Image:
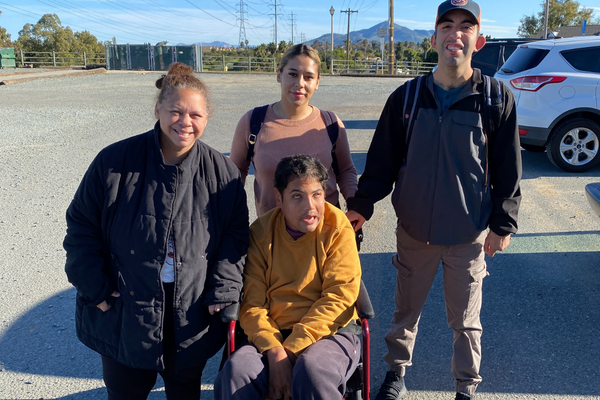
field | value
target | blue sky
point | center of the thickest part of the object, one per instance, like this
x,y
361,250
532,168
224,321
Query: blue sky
x,y
190,21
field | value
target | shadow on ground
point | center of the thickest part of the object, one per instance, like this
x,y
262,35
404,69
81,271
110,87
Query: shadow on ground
x,y
540,321
540,318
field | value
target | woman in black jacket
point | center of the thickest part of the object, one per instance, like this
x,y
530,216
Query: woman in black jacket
x,y
157,235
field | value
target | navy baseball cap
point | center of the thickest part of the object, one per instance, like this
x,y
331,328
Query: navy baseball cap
x,y
468,5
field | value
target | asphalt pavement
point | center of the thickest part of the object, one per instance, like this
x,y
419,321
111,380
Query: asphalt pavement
x,y
541,311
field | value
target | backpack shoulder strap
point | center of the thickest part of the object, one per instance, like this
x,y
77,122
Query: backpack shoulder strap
x,y
333,130
491,114
256,120
410,108
493,106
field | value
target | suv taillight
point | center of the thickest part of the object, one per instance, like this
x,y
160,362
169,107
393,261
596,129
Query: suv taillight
x,y
535,83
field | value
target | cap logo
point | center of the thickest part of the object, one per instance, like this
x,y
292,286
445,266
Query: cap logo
x,y
458,2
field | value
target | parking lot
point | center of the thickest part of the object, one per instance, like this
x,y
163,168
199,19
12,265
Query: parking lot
x,y
541,311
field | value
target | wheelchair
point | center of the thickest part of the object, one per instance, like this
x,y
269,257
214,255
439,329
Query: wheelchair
x,y
358,386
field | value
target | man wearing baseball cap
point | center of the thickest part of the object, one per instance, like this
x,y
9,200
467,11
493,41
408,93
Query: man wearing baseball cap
x,y
453,161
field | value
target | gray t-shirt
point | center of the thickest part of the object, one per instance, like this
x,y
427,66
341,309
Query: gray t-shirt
x,y
446,97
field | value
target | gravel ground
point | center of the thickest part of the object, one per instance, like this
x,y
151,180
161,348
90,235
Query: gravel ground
x,y
541,313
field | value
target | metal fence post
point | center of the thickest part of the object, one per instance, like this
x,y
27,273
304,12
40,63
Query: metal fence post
x,y
54,58
249,64
84,59
22,60
274,65
201,60
224,65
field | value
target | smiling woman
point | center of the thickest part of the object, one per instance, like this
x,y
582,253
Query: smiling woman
x,y
181,110
156,239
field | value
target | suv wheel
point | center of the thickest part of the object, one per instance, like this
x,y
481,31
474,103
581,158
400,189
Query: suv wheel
x,y
574,145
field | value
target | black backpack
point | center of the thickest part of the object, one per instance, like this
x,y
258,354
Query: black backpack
x,y
258,116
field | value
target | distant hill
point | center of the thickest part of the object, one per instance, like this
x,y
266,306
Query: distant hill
x,y
204,44
401,34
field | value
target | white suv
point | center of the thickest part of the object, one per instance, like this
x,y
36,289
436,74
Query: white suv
x,y
556,84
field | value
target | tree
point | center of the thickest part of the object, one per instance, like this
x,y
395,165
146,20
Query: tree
x,y
426,46
163,43
411,55
400,47
561,13
49,35
260,50
5,38
283,46
272,48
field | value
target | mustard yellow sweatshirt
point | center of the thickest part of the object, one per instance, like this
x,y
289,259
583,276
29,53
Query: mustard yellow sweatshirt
x,y
309,285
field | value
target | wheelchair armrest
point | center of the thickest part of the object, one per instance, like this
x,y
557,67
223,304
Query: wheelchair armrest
x,y
364,308
230,313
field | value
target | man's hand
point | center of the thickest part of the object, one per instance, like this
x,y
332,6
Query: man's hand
x,y
280,374
104,306
494,243
213,308
355,219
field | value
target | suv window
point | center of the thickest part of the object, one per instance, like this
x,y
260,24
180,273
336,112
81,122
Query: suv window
x,y
524,58
486,59
508,50
587,59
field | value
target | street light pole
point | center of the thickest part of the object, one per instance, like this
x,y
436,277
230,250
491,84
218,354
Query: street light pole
x,y
546,20
331,11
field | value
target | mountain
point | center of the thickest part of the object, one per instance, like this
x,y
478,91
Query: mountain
x,y
204,44
401,34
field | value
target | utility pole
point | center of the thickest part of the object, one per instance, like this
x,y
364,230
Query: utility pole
x,y
349,12
242,19
546,20
392,52
292,18
275,28
331,11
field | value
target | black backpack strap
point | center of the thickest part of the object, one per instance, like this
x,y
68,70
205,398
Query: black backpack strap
x,y
491,114
411,96
333,130
256,120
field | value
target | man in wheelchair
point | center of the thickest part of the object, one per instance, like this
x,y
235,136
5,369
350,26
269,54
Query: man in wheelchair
x,y
301,281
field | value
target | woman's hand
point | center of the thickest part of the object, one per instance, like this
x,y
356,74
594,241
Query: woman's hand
x,y
213,308
104,306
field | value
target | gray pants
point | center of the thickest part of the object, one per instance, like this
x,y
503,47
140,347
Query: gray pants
x,y
320,372
464,269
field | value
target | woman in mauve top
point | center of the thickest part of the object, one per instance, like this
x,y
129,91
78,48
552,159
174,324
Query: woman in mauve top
x,y
292,126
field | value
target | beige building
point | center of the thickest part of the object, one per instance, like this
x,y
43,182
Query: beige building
x,y
570,31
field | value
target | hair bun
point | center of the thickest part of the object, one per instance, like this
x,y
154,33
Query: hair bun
x,y
159,82
180,69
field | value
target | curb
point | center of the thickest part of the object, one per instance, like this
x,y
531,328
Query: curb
x,y
78,73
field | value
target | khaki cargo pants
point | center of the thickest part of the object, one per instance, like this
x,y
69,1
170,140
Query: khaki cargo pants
x,y
464,269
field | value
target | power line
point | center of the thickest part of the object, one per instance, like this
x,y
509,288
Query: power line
x,y
38,16
95,20
217,18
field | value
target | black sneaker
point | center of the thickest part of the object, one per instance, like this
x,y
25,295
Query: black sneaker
x,y
392,387
464,396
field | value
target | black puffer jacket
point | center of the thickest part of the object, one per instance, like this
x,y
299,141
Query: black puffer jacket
x,y
118,224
